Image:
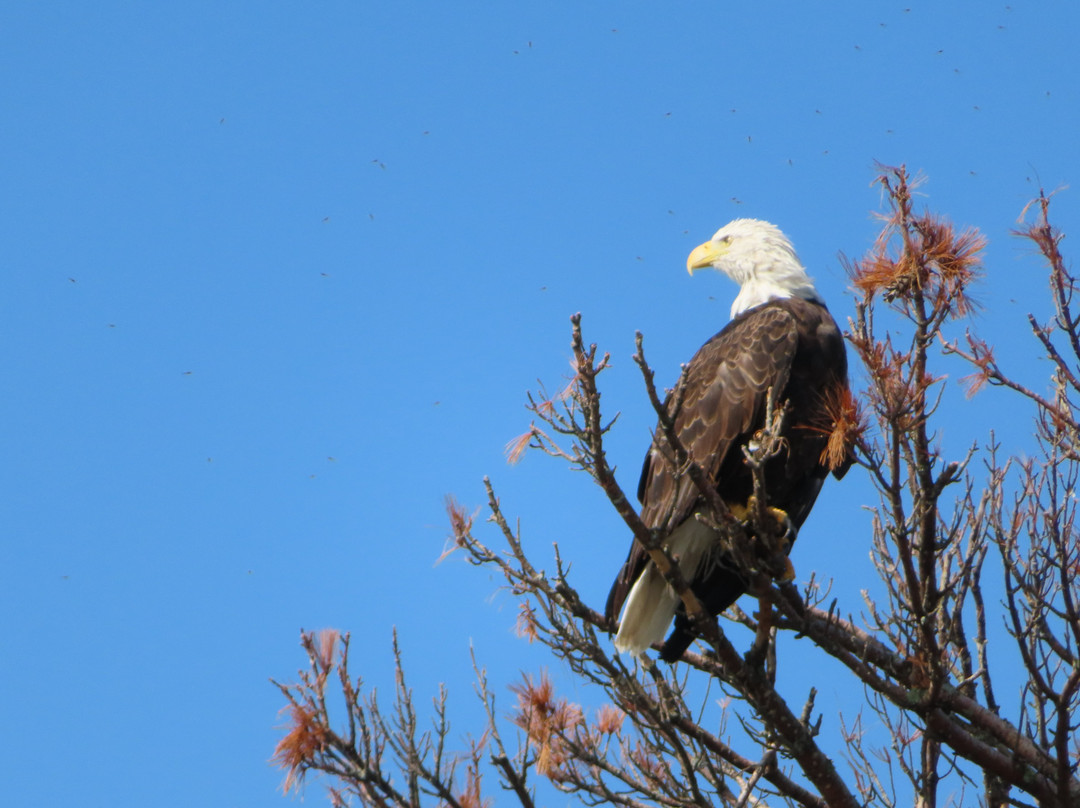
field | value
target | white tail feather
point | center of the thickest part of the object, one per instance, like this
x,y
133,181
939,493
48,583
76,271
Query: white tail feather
x,y
651,604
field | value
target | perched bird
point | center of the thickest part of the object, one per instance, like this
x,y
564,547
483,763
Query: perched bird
x,y
780,337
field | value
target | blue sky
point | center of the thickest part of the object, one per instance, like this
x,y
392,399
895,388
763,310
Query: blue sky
x,y
277,277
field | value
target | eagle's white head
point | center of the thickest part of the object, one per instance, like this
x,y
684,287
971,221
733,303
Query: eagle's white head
x,y
758,257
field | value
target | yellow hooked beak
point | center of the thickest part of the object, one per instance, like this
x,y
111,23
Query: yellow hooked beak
x,y
705,255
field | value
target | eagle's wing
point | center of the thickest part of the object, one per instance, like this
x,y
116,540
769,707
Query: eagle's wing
x,y
724,400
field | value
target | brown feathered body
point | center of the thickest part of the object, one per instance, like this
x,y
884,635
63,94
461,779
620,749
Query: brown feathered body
x,y
792,345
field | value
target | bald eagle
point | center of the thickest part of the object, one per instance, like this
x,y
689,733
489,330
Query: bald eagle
x,y
780,337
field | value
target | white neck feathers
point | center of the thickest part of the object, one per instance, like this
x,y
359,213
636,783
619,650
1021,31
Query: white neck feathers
x,y
760,290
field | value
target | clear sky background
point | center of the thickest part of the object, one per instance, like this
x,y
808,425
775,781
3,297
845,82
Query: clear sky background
x,y
277,276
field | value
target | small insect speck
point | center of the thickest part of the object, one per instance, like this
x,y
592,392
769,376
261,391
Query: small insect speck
x,y
221,121
371,216
72,280
187,373
326,218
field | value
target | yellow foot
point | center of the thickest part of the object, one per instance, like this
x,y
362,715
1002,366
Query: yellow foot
x,y
783,528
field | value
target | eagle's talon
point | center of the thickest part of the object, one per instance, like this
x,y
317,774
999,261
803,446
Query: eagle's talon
x,y
783,527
